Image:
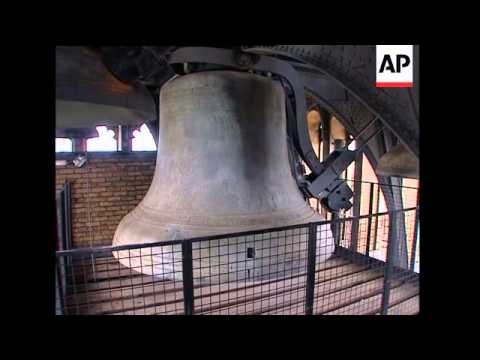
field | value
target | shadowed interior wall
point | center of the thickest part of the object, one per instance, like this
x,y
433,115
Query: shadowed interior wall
x,y
108,187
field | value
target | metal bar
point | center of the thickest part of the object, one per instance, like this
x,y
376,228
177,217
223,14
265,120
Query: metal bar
x,y
357,199
391,259
370,213
378,183
60,221
312,250
59,293
67,236
68,214
187,270
415,234
343,225
375,239
319,153
401,228
336,229
326,118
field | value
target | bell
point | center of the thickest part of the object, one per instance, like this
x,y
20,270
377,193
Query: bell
x,y
222,168
88,95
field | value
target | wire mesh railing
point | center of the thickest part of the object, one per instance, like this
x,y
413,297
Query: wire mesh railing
x,y
310,269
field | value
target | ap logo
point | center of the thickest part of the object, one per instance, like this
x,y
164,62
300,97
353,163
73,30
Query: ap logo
x,y
395,66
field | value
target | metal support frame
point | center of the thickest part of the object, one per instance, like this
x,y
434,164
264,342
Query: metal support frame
x,y
312,250
187,271
323,182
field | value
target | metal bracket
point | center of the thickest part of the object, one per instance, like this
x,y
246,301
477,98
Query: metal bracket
x,y
324,182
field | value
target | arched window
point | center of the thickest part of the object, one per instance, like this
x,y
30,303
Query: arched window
x,y
104,142
143,140
63,145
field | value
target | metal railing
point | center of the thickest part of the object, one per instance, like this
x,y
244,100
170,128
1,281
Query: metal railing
x,y
293,270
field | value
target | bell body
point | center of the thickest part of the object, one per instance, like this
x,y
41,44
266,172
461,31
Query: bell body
x,y
222,168
88,95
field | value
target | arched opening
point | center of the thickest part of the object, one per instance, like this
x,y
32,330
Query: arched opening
x,y
143,140
63,145
104,142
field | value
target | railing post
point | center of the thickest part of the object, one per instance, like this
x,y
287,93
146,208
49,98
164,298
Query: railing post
x,y
415,234
67,208
357,202
311,263
391,259
370,215
187,272
375,238
59,292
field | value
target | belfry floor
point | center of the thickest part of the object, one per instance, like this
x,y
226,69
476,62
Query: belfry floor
x,y
343,287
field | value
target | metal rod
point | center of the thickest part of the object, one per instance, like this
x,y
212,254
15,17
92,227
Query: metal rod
x,y
312,250
187,269
68,214
382,184
67,240
319,153
391,259
370,213
415,234
375,239
344,229
60,293
326,152
357,199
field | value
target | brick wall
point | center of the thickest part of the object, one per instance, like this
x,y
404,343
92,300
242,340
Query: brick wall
x,y
111,184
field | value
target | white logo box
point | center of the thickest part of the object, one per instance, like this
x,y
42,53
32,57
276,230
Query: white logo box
x,y
396,61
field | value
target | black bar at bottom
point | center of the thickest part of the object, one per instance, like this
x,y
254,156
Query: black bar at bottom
x,y
312,249
187,268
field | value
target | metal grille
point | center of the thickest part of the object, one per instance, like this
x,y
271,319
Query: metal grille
x,y
282,271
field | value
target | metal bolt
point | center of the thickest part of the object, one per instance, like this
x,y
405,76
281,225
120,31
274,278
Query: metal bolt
x,y
244,60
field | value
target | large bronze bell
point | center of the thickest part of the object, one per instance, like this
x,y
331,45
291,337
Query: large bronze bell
x,y
222,167
88,95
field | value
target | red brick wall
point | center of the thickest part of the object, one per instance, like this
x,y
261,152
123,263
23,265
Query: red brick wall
x,y
111,185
